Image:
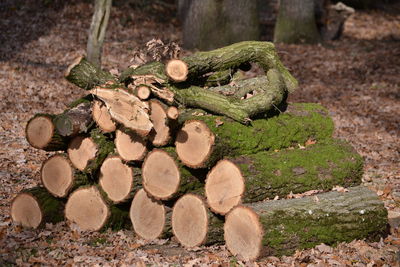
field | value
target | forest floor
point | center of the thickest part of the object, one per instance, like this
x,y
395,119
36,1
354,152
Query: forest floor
x,y
357,78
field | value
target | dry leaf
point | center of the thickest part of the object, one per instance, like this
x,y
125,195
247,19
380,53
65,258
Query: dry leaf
x,y
276,197
340,189
310,142
218,122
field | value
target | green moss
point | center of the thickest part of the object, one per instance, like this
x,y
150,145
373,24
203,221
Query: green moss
x,y
105,147
295,126
85,99
292,227
320,166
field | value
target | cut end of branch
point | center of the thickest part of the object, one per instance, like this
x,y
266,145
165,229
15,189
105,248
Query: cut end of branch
x,y
143,92
26,211
190,220
194,143
116,179
147,216
81,150
243,233
57,175
40,131
224,187
177,70
172,113
87,209
130,146
161,176
102,117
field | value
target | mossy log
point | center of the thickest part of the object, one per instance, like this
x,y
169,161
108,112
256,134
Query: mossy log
x,y
35,206
85,75
224,137
269,174
281,227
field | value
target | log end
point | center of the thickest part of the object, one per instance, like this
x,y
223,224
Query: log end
x,y
57,175
224,187
172,113
26,211
116,179
194,144
81,150
143,92
243,233
190,221
177,70
160,134
40,131
102,117
147,216
130,146
87,209
160,173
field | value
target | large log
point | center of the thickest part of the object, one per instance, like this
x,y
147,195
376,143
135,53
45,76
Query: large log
x,y
35,206
215,136
265,175
283,226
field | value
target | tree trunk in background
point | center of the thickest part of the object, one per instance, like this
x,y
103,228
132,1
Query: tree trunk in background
x,y
98,30
296,22
210,24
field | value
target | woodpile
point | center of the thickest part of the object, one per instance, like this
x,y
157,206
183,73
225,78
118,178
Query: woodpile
x,y
186,149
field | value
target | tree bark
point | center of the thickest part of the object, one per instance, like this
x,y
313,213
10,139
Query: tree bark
x,y
281,227
296,22
210,24
102,9
75,120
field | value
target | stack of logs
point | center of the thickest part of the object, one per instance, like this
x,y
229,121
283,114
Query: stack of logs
x,y
192,150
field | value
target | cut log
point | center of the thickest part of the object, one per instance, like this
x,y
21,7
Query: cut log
x,y
149,217
126,109
172,113
142,91
86,75
130,146
192,223
102,117
270,174
160,136
74,121
35,206
41,133
118,180
88,153
87,208
177,70
283,226
224,187
59,177
205,139
164,178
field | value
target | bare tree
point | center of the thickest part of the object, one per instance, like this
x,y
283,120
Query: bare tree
x,y
97,31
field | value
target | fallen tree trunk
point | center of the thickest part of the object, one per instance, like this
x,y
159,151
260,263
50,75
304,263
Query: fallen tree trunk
x,y
265,175
215,137
283,226
35,206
